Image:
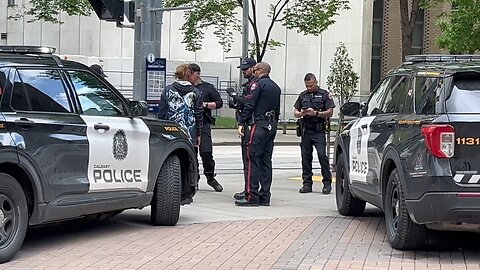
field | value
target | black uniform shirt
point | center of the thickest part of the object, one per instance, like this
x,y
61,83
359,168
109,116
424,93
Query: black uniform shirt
x,y
264,96
320,100
209,94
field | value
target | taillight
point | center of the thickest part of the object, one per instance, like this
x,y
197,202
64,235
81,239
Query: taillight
x,y
440,140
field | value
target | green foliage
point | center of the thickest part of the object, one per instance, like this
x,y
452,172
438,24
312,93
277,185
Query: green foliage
x,y
48,10
220,14
225,122
312,17
307,16
342,80
461,27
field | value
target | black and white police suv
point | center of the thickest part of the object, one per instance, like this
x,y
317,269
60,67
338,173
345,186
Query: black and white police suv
x,y
414,150
72,146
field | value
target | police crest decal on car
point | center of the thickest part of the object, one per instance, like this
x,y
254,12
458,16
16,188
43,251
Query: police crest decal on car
x,y
120,145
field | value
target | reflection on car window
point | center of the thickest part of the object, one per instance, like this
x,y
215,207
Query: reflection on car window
x,y
398,98
427,91
375,103
465,96
95,98
42,89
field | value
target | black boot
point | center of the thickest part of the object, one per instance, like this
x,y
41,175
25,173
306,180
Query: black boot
x,y
211,181
239,195
327,188
305,189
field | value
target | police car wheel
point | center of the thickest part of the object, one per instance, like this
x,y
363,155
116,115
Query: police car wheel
x,y
347,205
402,232
13,217
167,194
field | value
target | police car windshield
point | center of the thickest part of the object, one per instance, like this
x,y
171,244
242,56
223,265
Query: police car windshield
x,y
465,96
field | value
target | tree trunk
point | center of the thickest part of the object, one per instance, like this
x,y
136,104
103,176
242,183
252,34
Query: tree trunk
x,y
408,24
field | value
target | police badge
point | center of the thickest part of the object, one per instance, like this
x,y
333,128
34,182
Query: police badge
x,y
120,145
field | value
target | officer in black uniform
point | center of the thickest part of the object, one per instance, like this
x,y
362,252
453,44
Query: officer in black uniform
x,y
261,114
238,102
211,101
314,106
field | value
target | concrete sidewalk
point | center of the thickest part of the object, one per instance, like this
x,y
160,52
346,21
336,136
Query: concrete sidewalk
x,y
230,137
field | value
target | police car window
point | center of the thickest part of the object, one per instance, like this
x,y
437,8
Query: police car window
x,y
396,99
19,98
95,97
427,90
43,89
375,103
465,96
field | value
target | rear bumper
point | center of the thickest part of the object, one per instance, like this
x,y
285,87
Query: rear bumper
x,y
445,207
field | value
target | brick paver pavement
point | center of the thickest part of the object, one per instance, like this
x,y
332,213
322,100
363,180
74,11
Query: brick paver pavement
x,y
281,243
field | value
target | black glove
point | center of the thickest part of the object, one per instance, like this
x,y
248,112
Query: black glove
x,y
231,92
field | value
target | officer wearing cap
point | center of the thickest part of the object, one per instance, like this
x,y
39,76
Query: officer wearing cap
x,y
260,114
211,101
314,106
238,102
98,70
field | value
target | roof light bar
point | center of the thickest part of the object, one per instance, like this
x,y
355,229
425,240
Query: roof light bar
x,y
441,58
27,49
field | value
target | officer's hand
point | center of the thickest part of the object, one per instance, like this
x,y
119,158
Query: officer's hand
x,y
240,130
310,112
199,140
231,92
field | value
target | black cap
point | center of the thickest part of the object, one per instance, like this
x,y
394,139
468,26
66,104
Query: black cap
x,y
99,70
195,67
247,63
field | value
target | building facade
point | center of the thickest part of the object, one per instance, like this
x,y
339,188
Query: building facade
x,y
370,30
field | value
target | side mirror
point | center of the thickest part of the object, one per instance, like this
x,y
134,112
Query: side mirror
x,y
138,108
351,109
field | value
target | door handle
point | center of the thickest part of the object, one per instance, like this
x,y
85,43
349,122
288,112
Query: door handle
x,y
364,126
101,126
24,122
391,123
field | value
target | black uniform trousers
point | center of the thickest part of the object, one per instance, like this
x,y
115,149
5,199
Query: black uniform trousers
x,y
259,153
244,143
206,150
317,139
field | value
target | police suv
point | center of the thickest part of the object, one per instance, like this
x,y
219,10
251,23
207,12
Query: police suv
x,y
414,149
72,146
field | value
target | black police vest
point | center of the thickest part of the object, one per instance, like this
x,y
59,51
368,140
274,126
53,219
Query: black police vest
x,y
316,101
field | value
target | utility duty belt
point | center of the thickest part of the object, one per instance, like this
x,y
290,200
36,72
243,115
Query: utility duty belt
x,y
268,116
319,126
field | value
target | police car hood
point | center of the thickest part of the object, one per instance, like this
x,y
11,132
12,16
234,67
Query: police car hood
x,y
183,87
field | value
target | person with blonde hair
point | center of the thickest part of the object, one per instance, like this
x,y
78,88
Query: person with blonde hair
x,y
181,102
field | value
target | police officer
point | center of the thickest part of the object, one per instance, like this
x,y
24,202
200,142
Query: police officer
x,y
211,101
98,70
314,106
238,102
261,115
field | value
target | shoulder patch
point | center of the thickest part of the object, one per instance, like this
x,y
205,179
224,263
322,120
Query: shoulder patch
x,y
254,86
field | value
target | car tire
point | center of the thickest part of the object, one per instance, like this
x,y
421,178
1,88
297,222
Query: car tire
x,y
347,205
13,217
402,232
167,195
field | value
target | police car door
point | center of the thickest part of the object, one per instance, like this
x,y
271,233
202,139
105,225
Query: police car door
x,y
363,158
49,135
118,145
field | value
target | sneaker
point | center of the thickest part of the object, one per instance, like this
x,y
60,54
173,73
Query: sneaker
x,y
305,189
265,203
327,188
239,195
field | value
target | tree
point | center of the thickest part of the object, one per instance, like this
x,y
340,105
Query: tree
x,y
48,10
309,17
408,16
461,27
342,80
